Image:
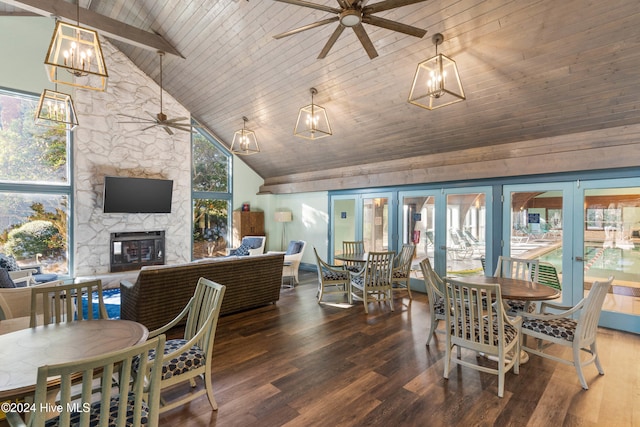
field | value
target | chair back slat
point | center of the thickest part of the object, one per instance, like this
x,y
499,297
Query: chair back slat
x,y
590,313
143,390
470,309
64,303
352,248
517,268
378,270
547,275
204,311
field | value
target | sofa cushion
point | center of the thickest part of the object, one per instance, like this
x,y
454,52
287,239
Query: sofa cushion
x,y
8,262
242,250
5,279
294,247
252,242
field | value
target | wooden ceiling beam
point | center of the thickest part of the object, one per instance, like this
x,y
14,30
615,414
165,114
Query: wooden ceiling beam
x,y
106,26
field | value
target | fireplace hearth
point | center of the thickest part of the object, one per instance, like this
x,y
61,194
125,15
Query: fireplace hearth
x,y
133,250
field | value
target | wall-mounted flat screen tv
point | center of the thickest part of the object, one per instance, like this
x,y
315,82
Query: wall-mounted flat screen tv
x,y
137,195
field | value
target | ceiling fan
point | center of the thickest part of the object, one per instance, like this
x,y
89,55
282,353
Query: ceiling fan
x,y
352,14
161,119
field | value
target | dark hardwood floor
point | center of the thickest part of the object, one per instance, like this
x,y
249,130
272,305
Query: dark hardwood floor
x,y
300,363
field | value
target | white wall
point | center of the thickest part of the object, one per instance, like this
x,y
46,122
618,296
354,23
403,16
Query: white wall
x,y
22,64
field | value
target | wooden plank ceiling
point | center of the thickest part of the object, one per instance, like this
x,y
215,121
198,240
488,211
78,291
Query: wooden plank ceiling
x,y
530,69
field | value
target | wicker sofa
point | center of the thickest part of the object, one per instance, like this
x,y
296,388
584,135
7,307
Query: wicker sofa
x,y
161,292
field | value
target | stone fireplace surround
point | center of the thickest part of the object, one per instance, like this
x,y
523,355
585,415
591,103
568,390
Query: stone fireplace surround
x,y
103,146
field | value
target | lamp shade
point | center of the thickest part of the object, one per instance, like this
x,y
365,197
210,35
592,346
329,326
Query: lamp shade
x,y
283,216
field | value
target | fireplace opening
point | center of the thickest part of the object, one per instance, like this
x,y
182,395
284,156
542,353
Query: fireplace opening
x,y
133,250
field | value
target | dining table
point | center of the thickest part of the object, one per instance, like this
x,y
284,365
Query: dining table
x,y
353,258
23,351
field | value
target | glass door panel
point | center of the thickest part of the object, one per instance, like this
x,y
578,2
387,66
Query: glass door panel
x,y
375,223
612,248
418,224
536,230
344,223
466,231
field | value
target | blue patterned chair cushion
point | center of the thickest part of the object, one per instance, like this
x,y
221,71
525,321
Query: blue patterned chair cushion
x,y
5,279
397,274
510,333
113,413
335,275
8,262
557,328
353,268
514,306
190,359
438,306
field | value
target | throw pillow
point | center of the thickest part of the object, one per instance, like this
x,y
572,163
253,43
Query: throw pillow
x,y
242,250
8,262
5,279
294,247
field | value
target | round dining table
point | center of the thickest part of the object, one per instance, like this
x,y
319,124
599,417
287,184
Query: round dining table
x,y
23,351
356,258
515,288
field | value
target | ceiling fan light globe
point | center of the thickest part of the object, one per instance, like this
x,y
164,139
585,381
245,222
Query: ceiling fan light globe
x,y
350,17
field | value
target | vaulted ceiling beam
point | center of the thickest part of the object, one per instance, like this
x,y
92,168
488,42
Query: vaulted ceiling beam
x,y
106,26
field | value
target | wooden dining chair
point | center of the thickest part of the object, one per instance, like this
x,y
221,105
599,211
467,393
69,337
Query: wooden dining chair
x,y
132,406
564,328
68,303
352,248
435,292
517,268
373,281
482,328
332,279
401,275
190,357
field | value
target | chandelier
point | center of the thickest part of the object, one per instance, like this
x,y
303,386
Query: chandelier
x,y
313,122
436,82
245,141
55,109
76,50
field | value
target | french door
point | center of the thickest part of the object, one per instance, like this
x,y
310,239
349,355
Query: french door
x,y
588,231
448,226
367,217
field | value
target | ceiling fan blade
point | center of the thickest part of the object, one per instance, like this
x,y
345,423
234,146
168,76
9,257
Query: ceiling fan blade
x,y
169,131
394,26
332,40
365,40
388,4
148,127
311,5
177,119
307,27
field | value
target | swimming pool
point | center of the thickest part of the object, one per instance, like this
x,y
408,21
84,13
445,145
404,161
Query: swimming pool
x,y
603,262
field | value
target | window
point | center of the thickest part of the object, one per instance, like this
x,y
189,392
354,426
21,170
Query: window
x,y
211,184
35,190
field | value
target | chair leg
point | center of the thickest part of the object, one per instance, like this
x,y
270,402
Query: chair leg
x,y
578,366
501,378
432,329
594,351
390,295
209,387
408,282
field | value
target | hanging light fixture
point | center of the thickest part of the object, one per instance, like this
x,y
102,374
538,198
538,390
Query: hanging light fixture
x,y
78,51
436,82
313,122
56,108
245,141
